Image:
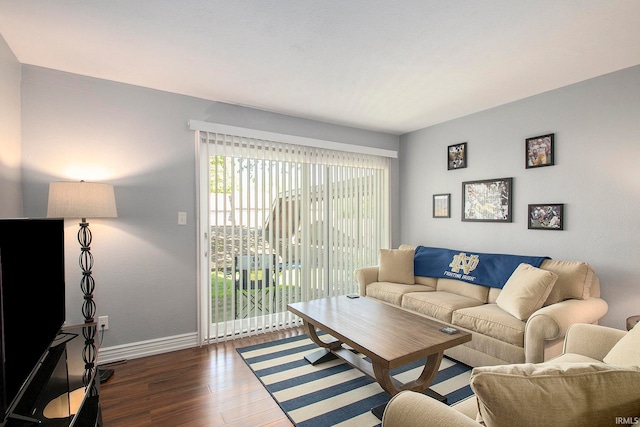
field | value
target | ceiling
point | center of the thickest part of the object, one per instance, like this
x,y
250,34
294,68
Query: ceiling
x,y
389,66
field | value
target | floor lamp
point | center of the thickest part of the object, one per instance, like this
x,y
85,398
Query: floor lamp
x,y
84,200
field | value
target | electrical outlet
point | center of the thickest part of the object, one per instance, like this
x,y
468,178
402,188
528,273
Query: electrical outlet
x,y
103,322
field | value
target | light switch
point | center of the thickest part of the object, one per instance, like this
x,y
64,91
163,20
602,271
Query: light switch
x,y
182,218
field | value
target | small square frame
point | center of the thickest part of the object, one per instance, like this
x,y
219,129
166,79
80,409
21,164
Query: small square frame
x,y
538,151
545,216
489,200
457,156
442,205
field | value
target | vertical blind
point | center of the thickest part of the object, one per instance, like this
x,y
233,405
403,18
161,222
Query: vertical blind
x,y
284,223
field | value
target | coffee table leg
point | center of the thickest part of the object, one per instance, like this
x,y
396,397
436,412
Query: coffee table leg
x,y
421,384
393,387
324,354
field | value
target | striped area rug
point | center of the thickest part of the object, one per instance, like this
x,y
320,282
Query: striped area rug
x,y
333,393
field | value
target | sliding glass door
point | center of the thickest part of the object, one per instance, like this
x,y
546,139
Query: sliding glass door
x,y
282,223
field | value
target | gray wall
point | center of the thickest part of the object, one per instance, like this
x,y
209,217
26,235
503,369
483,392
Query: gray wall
x,y
10,152
596,175
76,127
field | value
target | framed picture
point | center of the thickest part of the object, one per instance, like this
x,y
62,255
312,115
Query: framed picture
x,y
539,151
442,205
546,217
457,156
487,200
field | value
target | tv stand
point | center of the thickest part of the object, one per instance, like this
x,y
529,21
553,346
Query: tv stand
x,y
54,394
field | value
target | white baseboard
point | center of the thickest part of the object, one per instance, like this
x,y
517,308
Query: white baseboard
x,y
147,348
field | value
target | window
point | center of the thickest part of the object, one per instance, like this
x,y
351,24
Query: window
x,y
281,223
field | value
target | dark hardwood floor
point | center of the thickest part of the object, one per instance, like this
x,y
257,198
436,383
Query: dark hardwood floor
x,y
205,386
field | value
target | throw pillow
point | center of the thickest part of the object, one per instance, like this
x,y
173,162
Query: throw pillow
x,y
526,290
547,394
574,280
627,350
396,265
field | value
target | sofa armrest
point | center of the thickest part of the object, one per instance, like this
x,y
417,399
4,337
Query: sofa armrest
x,y
593,341
364,276
553,321
411,409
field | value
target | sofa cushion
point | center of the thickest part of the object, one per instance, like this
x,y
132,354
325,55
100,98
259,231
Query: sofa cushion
x,y
526,290
594,289
429,281
494,293
627,350
574,280
571,394
395,265
439,305
408,247
491,320
465,289
483,350
393,292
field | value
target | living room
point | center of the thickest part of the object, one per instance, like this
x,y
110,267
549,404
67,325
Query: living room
x,y
58,125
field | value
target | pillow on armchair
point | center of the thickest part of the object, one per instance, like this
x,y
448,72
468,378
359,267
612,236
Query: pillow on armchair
x,y
545,394
627,350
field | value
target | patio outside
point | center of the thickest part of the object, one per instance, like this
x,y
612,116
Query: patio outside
x,y
271,245
233,287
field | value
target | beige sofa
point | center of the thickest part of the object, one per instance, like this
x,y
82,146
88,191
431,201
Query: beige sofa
x,y
593,383
524,322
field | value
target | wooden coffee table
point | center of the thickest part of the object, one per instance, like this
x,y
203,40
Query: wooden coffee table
x,y
388,335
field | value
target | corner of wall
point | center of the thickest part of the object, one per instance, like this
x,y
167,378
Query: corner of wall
x,y
10,133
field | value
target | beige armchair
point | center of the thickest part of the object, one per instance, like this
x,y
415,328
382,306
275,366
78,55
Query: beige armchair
x,y
595,381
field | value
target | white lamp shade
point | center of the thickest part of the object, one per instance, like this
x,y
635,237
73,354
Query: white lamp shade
x,y
81,200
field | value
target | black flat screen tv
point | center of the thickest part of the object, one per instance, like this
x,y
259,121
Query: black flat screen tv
x,y
32,297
